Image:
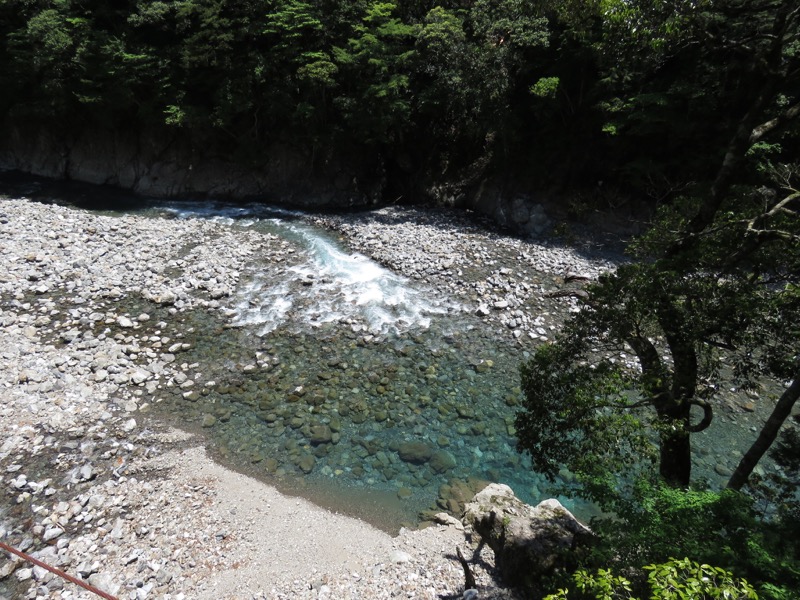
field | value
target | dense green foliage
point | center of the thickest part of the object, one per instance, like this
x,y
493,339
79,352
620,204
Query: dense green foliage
x,y
725,529
673,580
641,95
425,81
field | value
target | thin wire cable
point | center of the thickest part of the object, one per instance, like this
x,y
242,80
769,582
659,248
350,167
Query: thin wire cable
x,y
56,571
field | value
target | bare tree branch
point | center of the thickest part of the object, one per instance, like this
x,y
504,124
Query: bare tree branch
x,y
763,129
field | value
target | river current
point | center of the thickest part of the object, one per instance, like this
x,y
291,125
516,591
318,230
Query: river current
x,y
373,389
338,379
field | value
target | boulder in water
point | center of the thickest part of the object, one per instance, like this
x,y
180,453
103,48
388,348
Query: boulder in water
x,y
442,461
416,453
321,434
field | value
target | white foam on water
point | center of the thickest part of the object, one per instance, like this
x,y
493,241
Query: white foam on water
x,y
329,285
336,286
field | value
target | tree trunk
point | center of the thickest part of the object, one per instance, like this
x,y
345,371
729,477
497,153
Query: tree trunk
x,y
767,436
675,450
674,410
675,466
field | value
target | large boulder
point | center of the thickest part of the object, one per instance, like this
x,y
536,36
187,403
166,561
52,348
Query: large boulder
x,y
529,542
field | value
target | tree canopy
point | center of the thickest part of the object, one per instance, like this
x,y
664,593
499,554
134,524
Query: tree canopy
x,y
709,299
640,94
716,276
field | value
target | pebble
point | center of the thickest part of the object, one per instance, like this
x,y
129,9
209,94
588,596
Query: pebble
x,y
52,533
398,556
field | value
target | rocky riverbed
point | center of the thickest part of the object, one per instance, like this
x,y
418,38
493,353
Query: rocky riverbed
x,y
507,280
94,315
92,486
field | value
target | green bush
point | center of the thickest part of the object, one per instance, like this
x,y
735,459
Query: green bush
x,y
673,580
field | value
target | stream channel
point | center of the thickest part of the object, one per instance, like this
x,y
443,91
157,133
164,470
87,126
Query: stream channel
x,y
372,388
344,382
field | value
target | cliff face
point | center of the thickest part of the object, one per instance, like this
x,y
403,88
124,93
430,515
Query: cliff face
x,y
155,164
164,165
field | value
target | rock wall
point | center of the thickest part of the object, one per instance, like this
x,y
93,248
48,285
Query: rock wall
x,y
170,165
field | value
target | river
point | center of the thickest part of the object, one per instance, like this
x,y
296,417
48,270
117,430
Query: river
x,y
347,382
374,388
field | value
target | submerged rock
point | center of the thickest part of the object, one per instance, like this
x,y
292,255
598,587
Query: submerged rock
x,y
442,461
416,453
306,463
321,434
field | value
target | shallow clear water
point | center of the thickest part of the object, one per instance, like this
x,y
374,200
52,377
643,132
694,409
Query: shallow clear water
x,y
356,387
364,381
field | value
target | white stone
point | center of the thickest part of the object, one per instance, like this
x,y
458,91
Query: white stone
x,y
86,472
124,322
398,556
140,376
52,533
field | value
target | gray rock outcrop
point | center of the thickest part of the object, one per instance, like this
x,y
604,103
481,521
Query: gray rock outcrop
x,y
168,164
529,542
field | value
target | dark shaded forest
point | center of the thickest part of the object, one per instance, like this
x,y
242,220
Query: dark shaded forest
x,y
622,99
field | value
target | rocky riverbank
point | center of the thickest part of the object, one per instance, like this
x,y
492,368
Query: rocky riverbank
x,y
91,486
520,285
93,310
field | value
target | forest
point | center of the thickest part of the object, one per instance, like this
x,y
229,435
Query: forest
x,y
611,98
687,108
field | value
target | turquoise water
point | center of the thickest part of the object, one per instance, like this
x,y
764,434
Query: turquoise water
x,y
370,387
370,391
351,385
